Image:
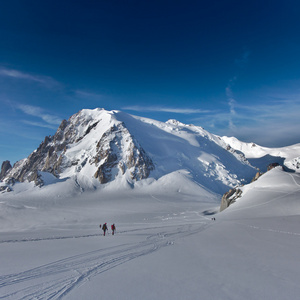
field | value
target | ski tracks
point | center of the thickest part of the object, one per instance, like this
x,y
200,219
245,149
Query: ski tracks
x,y
57,279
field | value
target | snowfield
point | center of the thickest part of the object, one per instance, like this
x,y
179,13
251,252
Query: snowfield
x,y
166,245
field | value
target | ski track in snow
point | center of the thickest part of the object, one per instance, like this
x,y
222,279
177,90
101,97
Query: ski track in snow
x,y
273,230
294,179
61,277
48,238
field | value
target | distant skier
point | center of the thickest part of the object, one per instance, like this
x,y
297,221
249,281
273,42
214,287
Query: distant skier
x,y
104,228
113,228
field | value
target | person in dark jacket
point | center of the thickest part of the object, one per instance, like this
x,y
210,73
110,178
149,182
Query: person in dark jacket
x,y
104,228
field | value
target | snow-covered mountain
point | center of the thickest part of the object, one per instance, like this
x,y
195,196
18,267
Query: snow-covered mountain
x,y
99,148
261,157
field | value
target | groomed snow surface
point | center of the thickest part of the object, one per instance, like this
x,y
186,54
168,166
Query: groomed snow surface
x,y
166,245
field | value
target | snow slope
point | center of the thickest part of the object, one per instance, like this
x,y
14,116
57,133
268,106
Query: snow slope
x,y
166,246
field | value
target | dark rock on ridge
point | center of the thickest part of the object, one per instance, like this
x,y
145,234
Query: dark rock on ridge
x,y
230,197
6,166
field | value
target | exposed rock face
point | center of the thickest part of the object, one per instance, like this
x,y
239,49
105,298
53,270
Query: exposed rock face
x,y
112,154
6,166
237,153
272,166
5,188
45,158
257,175
230,197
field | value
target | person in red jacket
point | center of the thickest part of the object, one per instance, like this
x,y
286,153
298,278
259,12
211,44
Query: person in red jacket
x,y
113,228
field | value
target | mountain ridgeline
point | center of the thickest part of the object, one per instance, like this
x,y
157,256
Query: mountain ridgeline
x,y
99,147
56,153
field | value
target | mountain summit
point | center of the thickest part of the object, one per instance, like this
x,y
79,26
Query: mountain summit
x,y
97,148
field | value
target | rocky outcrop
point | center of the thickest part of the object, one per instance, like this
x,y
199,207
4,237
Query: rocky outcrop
x,y
113,157
5,188
43,159
272,166
6,166
47,157
230,197
238,154
257,175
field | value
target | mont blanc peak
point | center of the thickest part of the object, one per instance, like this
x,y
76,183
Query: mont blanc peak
x,y
98,147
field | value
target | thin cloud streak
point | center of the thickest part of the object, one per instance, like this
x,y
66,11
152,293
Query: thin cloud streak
x,y
85,94
38,124
231,104
240,62
15,74
38,112
279,112
166,109
19,75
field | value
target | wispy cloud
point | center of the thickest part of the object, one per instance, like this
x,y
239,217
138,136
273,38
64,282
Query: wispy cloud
x,y
39,124
269,123
166,109
240,62
231,102
85,94
15,74
38,112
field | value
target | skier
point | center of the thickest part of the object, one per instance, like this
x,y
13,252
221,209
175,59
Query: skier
x,y
113,228
104,228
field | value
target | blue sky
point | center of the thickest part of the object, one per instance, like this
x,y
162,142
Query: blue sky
x,y
232,67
